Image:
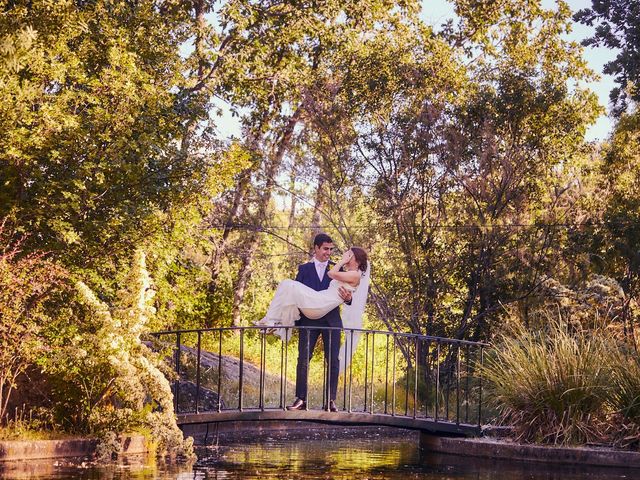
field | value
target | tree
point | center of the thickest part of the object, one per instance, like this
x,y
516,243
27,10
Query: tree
x,y
272,70
103,377
615,240
617,27
91,129
465,138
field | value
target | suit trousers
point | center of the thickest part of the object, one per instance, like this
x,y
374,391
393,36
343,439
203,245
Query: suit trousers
x,y
306,345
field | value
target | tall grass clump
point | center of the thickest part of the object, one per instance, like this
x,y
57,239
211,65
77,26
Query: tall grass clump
x,y
550,386
624,397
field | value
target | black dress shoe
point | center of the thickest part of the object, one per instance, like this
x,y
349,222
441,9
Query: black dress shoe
x,y
332,406
299,404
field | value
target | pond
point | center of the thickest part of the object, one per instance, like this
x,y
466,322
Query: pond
x,y
322,453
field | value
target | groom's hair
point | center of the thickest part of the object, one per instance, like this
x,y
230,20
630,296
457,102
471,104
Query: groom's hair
x,y
320,239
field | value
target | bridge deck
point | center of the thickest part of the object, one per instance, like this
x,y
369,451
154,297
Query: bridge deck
x,y
338,418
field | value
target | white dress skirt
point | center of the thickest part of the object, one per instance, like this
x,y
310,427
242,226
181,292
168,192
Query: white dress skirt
x,y
293,297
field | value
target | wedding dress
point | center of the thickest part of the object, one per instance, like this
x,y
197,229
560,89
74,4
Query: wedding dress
x,y
293,297
352,319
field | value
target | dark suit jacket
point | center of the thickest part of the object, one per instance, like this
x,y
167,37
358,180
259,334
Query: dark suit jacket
x,y
308,276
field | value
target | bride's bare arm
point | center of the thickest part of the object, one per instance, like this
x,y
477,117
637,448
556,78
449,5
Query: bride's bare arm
x,y
350,277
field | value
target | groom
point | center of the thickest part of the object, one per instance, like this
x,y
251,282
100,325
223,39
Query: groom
x,y
314,275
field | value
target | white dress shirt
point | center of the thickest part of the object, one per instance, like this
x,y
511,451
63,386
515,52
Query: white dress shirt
x,y
321,268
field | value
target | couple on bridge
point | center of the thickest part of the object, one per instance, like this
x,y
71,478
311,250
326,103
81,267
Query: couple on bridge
x,y
313,299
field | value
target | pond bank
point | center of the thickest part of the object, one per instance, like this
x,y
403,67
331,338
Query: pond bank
x,y
501,449
13,450
487,448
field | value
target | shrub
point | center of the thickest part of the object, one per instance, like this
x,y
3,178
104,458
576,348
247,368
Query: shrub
x,y
625,378
598,301
27,284
105,379
551,387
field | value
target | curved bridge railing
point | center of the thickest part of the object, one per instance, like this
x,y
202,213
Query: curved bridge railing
x,y
406,380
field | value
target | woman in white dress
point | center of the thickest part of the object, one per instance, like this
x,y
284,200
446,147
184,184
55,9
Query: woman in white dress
x,y
291,297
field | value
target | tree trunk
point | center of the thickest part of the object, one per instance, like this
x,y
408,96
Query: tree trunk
x,y
318,204
221,247
244,275
292,211
246,270
244,182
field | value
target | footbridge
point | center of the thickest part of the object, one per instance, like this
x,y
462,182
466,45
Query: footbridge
x,y
248,374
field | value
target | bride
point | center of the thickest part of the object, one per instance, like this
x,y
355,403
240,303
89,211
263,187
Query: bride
x,y
293,297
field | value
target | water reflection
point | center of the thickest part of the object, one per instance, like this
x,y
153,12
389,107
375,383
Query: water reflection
x,y
329,453
366,453
134,467
311,454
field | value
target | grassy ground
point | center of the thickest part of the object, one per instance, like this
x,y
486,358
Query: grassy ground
x,y
23,432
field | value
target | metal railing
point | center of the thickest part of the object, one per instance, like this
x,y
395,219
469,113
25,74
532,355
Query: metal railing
x,y
396,374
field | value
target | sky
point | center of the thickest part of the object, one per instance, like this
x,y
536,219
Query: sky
x,y
436,12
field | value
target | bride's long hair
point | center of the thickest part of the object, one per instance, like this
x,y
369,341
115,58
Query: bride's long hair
x,y
361,257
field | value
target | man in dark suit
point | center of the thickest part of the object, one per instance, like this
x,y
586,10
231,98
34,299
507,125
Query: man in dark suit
x,y
314,275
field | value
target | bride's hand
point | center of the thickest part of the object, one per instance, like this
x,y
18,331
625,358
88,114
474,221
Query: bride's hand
x,y
348,255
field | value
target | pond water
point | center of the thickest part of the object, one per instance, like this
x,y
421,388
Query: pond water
x,y
337,453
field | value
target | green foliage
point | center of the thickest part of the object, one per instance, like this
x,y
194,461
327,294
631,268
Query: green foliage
x,y
125,155
432,149
456,151
589,305
91,127
613,246
94,372
560,385
21,429
617,27
624,399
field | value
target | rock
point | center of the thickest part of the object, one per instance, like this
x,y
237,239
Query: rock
x,y
207,400
229,382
